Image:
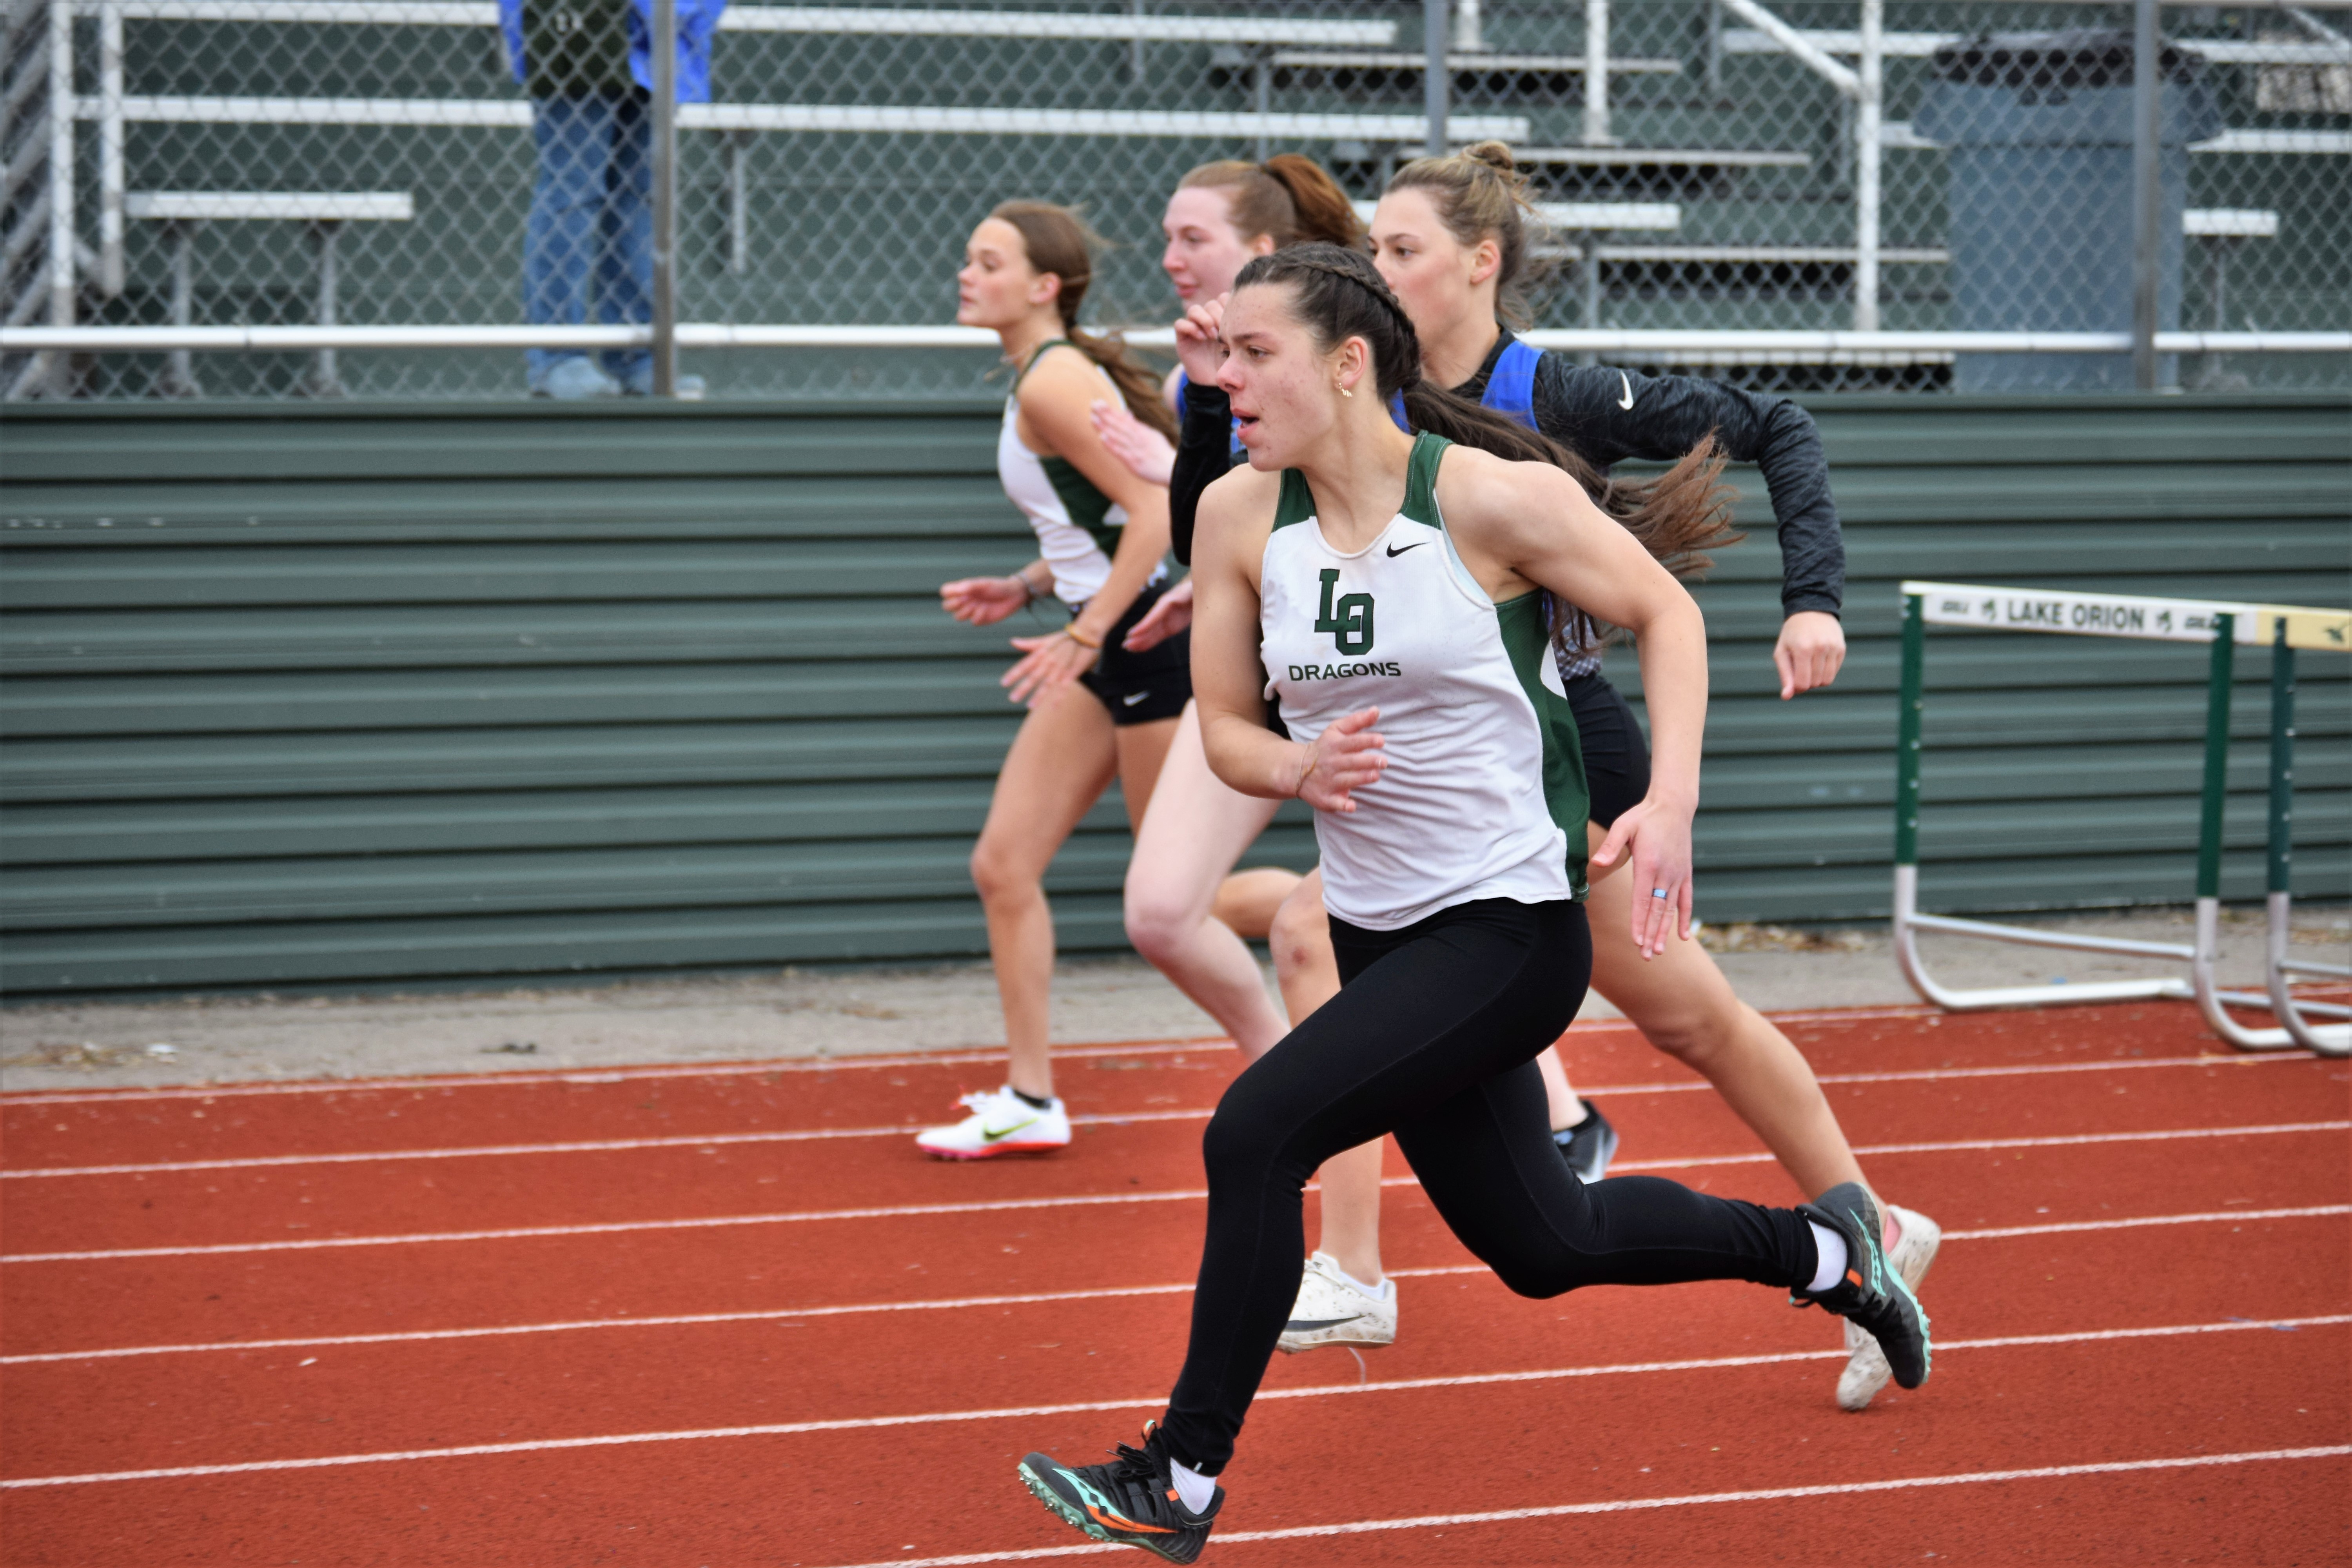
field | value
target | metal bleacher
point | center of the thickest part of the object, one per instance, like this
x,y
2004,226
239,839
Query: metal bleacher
x,y
1720,173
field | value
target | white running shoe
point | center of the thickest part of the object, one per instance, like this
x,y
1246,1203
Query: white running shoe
x,y
1001,1122
1333,1310
1914,1252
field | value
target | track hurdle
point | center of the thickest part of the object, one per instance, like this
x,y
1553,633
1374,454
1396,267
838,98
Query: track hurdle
x,y
2223,625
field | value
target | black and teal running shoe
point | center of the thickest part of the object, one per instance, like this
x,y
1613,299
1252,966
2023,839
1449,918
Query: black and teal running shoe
x,y
1132,1501
1872,1294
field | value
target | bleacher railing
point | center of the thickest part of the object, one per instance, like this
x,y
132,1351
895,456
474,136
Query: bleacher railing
x,y
217,198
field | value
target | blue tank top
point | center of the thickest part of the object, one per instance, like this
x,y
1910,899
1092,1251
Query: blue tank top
x,y
1511,389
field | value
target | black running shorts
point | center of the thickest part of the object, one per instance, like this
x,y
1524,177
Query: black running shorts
x,y
1142,687
1616,753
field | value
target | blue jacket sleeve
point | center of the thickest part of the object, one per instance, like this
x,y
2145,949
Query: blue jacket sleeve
x,y
698,24
510,29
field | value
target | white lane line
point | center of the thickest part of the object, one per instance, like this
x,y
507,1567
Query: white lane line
x,y
684,1320
615,1227
1633,1505
868,1423
958,1304
1964,1145
905,1211
1106,1119
577,1146
604,1075
2213,1217
794,1064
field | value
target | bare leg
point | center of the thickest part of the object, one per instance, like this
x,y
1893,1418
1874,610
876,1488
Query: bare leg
x,y
1248,901
1303,961
1061,761
1194,831
1301,942
1685,1007
1142,757
1567,1111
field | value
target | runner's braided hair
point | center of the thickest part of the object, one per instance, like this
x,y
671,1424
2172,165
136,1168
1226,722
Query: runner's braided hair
x,y
1338,294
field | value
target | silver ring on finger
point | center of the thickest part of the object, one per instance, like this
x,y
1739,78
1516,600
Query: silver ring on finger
x,y
1658,892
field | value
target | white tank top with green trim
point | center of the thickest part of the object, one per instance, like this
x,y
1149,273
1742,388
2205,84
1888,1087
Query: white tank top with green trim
x,y
1078,526
1483,796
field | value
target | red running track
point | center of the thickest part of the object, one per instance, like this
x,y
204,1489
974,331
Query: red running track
x,y
719,1315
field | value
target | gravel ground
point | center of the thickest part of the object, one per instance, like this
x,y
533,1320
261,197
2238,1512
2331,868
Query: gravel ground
x,y
842,1012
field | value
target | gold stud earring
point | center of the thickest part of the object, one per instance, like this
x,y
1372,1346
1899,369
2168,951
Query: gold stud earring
x,y
1346,391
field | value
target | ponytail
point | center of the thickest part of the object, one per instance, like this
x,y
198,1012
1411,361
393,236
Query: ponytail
x,y
1288,198
1137,386
1677,517
1058,241
1325,215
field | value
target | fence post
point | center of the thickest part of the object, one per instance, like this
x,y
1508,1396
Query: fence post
x,y
110,150
63,281
664,198
1469,27
2147,204
1868,154
1596,73
1436,80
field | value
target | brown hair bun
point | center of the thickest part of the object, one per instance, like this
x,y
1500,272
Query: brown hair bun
x,y
1479,193
1495,154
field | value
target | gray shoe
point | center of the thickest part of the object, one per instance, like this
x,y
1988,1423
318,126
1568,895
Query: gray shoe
x,y
576,380
690,388
1589,1145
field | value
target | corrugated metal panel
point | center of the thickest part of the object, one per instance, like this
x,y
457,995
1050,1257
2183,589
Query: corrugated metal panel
x,y
316,696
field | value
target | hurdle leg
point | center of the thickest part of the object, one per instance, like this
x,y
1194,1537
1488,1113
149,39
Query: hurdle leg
x,y
2210,996
1908,922
2332,1040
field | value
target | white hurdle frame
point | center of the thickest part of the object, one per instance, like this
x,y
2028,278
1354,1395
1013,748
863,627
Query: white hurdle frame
x,y
2223,625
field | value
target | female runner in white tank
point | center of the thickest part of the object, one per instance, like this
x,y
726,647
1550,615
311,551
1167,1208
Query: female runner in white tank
x,y
1396,595
1096,711
1448,238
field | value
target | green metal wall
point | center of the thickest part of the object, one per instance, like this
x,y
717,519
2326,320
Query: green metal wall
x,y
318,696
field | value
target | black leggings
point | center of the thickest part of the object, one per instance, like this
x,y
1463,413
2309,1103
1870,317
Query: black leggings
x,y
1433,1036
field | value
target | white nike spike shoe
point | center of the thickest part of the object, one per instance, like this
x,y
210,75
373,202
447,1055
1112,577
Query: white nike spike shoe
x,y
1333,1310
1866,1370
1001,1122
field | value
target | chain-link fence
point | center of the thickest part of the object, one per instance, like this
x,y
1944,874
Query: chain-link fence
x,y
1710,167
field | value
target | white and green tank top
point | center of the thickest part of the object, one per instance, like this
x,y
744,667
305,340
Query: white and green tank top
x,y
1078,526
1484,796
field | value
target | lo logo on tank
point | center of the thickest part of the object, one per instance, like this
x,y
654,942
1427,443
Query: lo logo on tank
x,y
1349,622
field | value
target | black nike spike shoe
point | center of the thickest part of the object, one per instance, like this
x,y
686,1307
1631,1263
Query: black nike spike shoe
x,y
1871,1294
1132,1501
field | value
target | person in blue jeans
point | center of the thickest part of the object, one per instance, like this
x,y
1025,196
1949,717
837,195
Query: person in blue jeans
x,y
587,251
